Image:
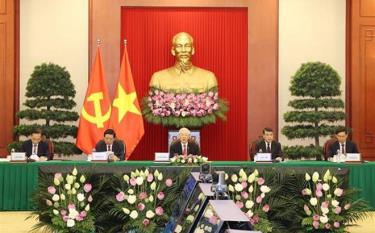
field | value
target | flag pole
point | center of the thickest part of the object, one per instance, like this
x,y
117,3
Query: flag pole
x,y
125,42
98,42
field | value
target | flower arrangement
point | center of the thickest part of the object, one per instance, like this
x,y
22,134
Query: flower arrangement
x,y
188,160
68,201
326,206
249,193
209,222
141,201
183,109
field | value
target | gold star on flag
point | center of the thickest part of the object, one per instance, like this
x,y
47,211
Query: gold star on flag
x,y
125,103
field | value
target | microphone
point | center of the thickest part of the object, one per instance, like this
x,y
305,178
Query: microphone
x,y
220,188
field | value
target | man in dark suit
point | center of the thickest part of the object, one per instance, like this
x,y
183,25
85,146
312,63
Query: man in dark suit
x,y
268,145
35,145
183,145
109,143
342,145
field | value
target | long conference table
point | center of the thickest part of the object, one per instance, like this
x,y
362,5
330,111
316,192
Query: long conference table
x,y
18,181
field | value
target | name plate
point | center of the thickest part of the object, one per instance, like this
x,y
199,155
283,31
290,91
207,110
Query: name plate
x,y
18,156
353,157
263,157
161,157
99,156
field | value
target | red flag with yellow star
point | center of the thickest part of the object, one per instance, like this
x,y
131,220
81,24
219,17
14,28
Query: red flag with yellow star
x,y
126,117
96,109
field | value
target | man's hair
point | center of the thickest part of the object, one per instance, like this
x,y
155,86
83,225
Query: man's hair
x,y
110,132
342,129
183,130
182,34
36,131
267,130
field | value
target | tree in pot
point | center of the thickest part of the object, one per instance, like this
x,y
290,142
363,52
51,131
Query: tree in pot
x,y
317,108
49,103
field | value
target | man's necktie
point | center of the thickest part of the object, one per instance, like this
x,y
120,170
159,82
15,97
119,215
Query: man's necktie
x,y
34,149
343,148
184,150
109,148
268,148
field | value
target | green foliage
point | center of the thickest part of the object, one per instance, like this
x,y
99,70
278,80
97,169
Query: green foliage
x,y
318,106
50,99
298,152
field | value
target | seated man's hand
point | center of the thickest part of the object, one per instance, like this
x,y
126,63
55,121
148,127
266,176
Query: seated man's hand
x,y
43,158
279,159
113,157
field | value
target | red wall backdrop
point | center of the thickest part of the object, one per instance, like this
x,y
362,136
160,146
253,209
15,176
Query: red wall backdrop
x,y
220,36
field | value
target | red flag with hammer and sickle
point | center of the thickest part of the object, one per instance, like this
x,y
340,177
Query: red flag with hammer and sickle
x,y
126,118
96,109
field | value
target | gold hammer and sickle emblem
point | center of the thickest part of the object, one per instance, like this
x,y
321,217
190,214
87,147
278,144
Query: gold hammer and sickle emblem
x,y
98,119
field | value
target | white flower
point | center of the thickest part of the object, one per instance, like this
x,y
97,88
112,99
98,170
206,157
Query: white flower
x,y
324,210
334,179
238,187
231,188
160,177
262,195
265,189
74,172
56,205
241,172
327,176
132,199
70,223
307,191
76,185
153,186
195,160
313,201
178,229
172,161
208,213
323,219
307,177
62,196
134,214
151,198
226,176
315,176
251,189
82,179
150,214
56,181
74,191
80,196
67,186
190,218
156,173
69,179
335,203
87,208
55,212
238,197
126,211
325,187
256,173
55,197
250,213
251,178
234,178
249,204
139,180
126,178
73,213
131,191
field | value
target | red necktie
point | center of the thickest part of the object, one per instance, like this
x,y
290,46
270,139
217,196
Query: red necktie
x,y
184,151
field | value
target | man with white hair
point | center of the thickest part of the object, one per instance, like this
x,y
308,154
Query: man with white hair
x,y
184,146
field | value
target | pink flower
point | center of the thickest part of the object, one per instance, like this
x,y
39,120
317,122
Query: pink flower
x,y
336,224
49,202
213,220
146,222
318,193
168,182
51,190
142,195
65,218
120,196
316,224
347,206
63,212
150,178
79,218
316,217
339,192
266,208
244,194
239,204
58,175
244,184
160,195
83,214
71,206
89,199
306,208
319,186
133,181
87,188
141,206
256,219
304,192
159,211
260,181
337,210
259,199
325,204
327,226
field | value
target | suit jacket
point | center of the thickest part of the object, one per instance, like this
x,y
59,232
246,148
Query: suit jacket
x,y
350,147
27,147
176,148
118,148
275,148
